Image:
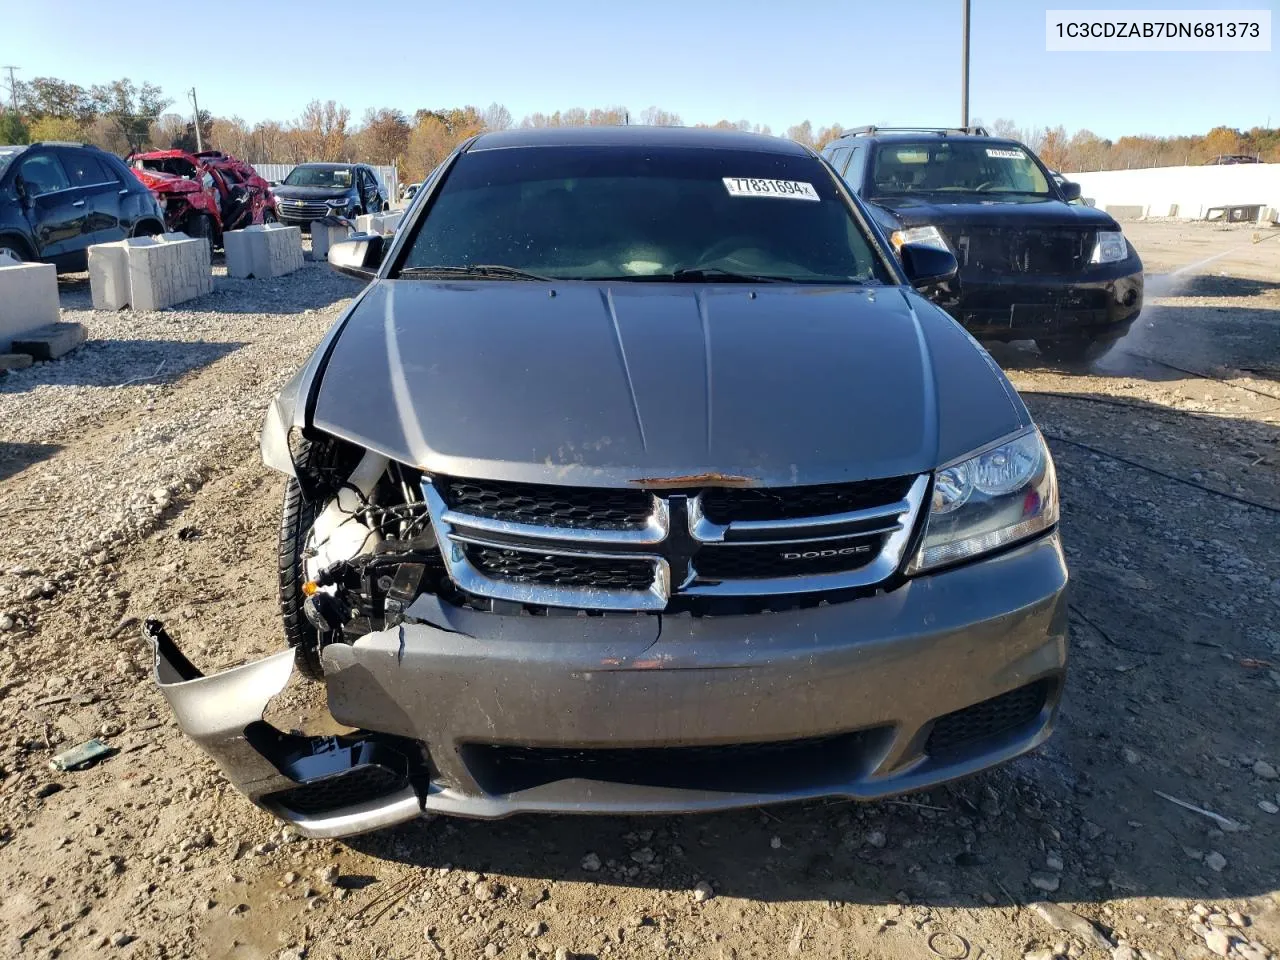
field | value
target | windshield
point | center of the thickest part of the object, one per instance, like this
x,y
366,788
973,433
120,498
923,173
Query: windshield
x,y
318,177
6,157
643,213
956,166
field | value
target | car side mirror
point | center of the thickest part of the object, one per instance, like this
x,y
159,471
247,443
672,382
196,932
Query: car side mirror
x,y
359,256
1070,191
927,265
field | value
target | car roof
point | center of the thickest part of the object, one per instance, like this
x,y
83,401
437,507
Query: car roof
x,y
636,137
920,137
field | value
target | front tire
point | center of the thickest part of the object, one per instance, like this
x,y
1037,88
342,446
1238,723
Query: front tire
x,y
296,517
199,226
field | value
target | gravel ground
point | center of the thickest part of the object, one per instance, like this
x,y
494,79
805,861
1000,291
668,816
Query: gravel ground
x,y
130,486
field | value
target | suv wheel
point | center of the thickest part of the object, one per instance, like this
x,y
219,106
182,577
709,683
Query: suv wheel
x,y
200,226
15,248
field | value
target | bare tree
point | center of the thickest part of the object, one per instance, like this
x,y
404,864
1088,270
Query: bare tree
x,y
384,136
657,117
497,117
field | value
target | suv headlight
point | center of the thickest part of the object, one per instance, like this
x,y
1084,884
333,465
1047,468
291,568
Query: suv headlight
x,y
925,236
998,496
1110,247
339,204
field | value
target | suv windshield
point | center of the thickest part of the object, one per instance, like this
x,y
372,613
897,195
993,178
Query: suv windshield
x,y
956,166
651,213
318,177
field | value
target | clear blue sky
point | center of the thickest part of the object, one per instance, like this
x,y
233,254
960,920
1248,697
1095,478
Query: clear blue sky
x,y
859,61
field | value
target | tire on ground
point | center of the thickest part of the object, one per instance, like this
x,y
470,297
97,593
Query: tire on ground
x,y
296,517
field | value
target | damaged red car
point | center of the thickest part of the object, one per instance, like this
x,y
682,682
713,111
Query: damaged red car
x,y
205,194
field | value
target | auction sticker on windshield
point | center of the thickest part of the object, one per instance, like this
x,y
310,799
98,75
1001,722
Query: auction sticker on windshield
x,y
787,189
1006,154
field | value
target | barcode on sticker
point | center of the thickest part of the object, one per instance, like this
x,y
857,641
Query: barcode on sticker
x,y
1006,154
786,189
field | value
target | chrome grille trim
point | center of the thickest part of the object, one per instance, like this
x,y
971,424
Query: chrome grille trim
x,y
754,531
883,566
455,529
891,525
655,531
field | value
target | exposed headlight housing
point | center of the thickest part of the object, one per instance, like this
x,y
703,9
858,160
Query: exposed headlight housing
x,y
1111,247
998,496
925,236
341,204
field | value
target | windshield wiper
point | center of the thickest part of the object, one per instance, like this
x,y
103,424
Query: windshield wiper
x,y
717,275
493,271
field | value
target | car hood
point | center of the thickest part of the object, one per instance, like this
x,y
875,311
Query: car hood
x,y
619,384
310,193
942,209
160,182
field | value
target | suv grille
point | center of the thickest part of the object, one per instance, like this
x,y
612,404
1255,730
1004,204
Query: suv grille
x,y
305,210
723,505
549,505
610,549
562,570
1048,252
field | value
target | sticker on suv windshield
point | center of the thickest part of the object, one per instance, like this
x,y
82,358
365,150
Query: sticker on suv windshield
x,y
787,189
1007,154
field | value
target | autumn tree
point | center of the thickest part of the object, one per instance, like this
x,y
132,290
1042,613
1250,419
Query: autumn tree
x,y
497,117
323,130
383,137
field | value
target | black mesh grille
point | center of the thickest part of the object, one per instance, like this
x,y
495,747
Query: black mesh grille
x,y
561,570
332,793
1022,251
749,768
550,505
724,505
742,562
997,715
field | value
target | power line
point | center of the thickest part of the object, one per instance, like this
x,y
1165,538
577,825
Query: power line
x,y
13,87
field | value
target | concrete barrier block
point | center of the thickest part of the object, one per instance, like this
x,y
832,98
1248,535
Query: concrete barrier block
x,y
364,223
387,223
109,275
325,235
166,270
28,298
263,250
52,341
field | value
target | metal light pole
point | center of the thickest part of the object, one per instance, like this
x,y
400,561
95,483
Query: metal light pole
x,y
964,66
196,106
13,88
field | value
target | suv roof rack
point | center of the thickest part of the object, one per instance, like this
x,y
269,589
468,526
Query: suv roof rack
x,y
942,131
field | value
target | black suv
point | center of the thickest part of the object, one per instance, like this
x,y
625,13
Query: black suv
x,y
313,191
1033,265
58,199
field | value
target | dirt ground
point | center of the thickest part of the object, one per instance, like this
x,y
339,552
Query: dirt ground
x,y
142,494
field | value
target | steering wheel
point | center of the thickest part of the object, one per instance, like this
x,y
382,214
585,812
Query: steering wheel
x,y
719,249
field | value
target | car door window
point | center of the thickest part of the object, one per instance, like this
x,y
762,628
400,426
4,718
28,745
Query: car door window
x,y
42,174
85,170
857,166
839,157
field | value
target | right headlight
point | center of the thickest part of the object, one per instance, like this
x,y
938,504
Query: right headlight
x,y
1110,247
924,236
1000,495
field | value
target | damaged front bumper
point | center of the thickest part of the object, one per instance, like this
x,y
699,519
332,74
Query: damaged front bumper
x,y
487,715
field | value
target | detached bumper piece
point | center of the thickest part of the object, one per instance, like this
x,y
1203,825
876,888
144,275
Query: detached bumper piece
x,y
325,786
